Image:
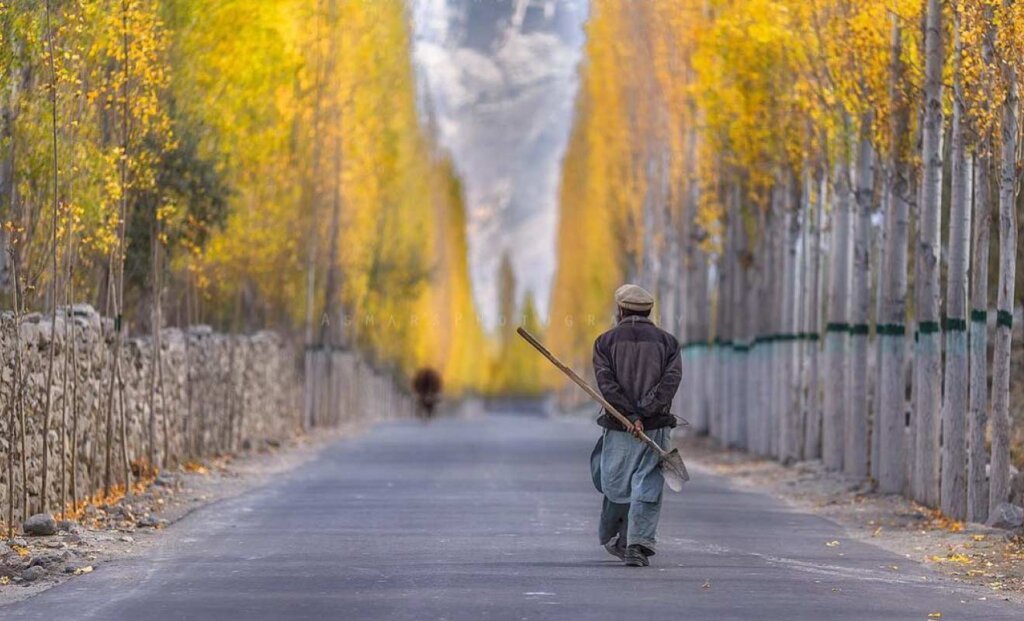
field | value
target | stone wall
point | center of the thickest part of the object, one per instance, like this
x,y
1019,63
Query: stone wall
x,y
214,394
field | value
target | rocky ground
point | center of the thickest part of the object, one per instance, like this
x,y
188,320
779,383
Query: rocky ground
x,y
972,553
104,532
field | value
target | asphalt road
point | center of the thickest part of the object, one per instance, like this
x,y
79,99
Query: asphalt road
x,y
494,518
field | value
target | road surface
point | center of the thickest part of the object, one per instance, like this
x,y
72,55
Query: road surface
x,y
494,518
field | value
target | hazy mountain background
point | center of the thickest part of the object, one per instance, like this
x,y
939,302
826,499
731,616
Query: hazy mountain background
x,y
497,81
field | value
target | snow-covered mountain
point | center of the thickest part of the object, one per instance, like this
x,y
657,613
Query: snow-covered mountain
x,y
498,81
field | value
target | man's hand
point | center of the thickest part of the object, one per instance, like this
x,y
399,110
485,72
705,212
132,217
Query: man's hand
x,y
638,427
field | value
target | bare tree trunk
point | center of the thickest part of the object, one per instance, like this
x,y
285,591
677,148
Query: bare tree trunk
x,y
154,363
856,449
837,336
691,298
729,395
789,450
928,348
800,334
957,371
812,425
74,390
768,345
69,335
50,363
19,384
999,490
312,194
123,410
977,421
716,387
760,352
891,329
703,331
743,335
878,268
755,276
11,426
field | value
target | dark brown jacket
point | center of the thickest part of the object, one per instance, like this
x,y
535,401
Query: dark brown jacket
x,y
638,371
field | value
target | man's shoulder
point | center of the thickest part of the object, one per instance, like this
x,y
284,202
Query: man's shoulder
x,y
668,337
645,331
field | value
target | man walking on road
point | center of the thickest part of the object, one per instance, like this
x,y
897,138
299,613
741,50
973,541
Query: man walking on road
x,y
638,371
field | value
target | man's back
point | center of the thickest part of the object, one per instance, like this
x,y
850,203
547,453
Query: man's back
x,y
638,371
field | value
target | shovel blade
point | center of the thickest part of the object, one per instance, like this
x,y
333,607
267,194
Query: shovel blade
x,y
674,470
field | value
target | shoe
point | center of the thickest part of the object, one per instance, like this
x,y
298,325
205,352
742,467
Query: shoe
x,y
635,557
616,550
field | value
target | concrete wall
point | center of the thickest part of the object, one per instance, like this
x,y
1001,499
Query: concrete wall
x,y
218,393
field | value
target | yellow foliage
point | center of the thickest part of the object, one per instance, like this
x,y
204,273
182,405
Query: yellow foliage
x,y
277,145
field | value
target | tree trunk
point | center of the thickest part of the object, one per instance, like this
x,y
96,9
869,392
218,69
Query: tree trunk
x,y
19,384
732,321
751,305
332,284
789,450
702,318
762,347
55,274
157,320
999,490
957,372
928,348
715,392
878,268
812,426
977,422
776,297
74,390
891,329
837,336
856,447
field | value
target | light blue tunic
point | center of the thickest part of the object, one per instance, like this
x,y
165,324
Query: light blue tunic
x,y
625,469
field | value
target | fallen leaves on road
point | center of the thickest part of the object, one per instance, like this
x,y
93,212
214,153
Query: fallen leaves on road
x,y
952,557
967,552
940,522
83,570
706,585
934,615
196,468
832,543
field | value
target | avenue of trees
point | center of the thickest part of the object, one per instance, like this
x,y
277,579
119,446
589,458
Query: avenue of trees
x,y
243,164
824,195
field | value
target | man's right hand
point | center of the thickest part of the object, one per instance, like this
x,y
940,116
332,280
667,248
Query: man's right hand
x,y
638,427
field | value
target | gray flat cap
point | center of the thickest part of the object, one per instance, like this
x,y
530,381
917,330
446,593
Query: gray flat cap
x,y
634,297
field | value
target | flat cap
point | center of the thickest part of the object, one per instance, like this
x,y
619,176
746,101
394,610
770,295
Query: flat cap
x,y
634,297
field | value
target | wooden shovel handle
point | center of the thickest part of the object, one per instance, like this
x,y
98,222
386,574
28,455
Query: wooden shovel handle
x,y
529,338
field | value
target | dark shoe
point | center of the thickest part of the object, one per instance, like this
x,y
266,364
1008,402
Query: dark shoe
x,y
635,557
616,550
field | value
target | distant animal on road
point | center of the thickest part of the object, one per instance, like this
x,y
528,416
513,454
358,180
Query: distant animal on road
x,y
427,385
